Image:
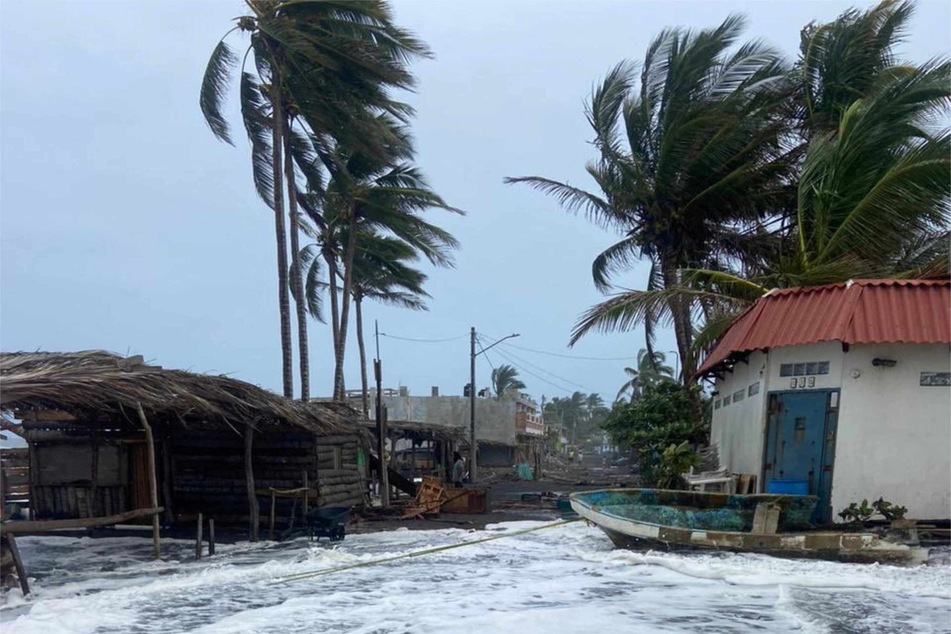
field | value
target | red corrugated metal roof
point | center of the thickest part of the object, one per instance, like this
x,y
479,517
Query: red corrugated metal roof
x,y
860,311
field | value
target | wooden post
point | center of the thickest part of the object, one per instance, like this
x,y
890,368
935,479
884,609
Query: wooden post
x,y
94,487
273,499
211,536
198,538
167,480
18,563
306,495
253,510
153,484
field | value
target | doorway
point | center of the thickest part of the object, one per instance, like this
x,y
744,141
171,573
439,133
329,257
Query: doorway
x,y
800,443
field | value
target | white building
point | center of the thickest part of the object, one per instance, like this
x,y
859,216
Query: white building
x,y
842,390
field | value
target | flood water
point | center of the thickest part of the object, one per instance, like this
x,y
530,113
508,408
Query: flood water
x,y
562,579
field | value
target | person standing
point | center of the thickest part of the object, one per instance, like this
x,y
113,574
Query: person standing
x,y
458,469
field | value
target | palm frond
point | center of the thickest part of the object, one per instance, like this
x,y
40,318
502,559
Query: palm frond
x,y
214,89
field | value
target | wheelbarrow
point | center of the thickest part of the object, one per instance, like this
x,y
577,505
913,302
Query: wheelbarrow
x,y
328,521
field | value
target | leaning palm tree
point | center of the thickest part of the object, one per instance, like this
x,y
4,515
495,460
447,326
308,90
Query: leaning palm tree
x,y
322,66
383,272
367,197
504,379
689,163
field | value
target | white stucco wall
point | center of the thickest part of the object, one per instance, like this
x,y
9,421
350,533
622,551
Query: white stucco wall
x,y
893,438
737,429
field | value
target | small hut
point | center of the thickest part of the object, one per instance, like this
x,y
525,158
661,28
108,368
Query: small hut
x,y
111,437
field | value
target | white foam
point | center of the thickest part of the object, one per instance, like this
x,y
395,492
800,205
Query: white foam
x,y
564,579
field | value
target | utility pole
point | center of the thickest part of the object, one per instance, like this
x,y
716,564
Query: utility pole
x,y
473,448
380,424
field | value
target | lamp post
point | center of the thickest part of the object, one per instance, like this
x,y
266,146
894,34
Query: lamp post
x,y
472,395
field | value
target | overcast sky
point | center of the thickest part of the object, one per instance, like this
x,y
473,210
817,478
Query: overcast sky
x,y
127,226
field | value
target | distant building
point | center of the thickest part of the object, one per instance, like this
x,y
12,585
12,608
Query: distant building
x,y
506,427
841,390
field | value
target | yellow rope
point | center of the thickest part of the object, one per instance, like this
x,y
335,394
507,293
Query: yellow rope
x,y
417,553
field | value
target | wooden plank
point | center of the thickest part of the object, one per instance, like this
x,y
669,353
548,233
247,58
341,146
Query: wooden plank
x,y
17,562
17,527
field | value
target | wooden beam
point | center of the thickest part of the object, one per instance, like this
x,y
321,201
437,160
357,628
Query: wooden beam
x,y
153,484
19,527
94,485
17,563
253,510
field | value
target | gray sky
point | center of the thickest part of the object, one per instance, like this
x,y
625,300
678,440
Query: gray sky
x,y
126,226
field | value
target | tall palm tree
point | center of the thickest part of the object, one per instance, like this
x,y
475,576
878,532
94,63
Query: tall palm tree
x,y
688,163
322,66
875,180
390,199
651,369
382,272
505,378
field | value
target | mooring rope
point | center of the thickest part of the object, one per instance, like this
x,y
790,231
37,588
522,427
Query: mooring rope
x,y
416,553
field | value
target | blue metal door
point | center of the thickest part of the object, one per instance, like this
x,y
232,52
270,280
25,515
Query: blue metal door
x,y
800,442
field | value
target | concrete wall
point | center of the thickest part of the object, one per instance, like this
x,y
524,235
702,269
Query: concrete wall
x,y
737,428
893,436
495,418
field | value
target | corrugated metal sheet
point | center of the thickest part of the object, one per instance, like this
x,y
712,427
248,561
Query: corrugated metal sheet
x,y
861,311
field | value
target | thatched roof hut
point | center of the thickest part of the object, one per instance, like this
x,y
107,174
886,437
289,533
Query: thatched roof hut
x,y
112,385
103,430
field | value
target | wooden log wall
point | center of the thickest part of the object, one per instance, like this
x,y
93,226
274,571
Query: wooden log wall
x,y
208,473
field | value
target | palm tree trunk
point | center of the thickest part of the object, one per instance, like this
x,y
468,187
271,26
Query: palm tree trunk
x,y
334,306
296,272
683,331
345,305
365,389
277,137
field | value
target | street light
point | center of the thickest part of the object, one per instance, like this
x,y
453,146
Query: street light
x,y
472,395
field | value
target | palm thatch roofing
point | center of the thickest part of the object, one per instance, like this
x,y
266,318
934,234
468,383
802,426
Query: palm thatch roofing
x,y
109,385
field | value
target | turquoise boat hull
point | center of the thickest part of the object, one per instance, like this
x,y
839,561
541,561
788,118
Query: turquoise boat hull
x,y
674,520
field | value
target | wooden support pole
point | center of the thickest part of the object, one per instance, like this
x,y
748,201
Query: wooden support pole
x,y
18,563
153,484
167,480
94,486
306,495
198,539
211,536
273,500
253,510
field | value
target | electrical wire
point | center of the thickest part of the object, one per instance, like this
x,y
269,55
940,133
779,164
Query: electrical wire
x,y
566,356
383,334
540,378
550,373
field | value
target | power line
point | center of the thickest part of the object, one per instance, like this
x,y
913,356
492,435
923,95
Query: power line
x,y
540,378
550,373
383,334
479,341
570,356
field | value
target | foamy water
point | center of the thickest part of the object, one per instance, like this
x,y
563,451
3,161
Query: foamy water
x,y
564,579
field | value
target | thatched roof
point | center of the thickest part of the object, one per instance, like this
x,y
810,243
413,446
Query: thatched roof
x,y
111,385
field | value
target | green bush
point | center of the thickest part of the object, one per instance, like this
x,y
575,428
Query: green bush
x,y
658,421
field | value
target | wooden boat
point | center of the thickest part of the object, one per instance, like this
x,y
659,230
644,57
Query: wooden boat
x,y
776,525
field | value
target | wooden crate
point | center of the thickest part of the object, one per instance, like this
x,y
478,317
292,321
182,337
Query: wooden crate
x,y
467,501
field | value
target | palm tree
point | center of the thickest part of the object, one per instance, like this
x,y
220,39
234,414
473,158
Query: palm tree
x,y
874,182
367,197
505,378
382,272
688,165
651,370
322,66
